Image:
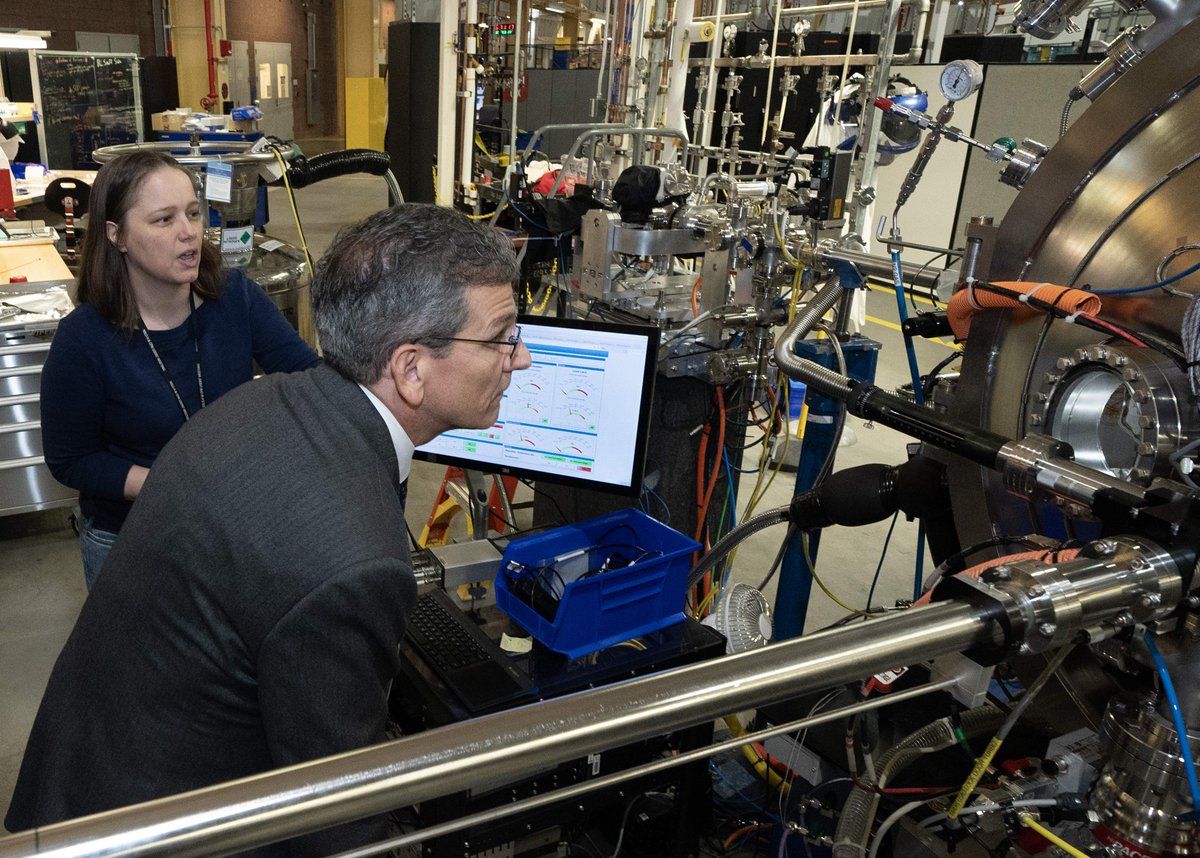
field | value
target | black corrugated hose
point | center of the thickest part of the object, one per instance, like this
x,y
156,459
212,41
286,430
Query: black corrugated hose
x,y
304,171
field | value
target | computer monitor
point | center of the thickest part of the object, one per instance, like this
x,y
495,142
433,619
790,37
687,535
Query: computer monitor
x,y
578,415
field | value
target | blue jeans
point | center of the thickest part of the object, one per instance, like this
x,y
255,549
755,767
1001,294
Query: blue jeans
x,y
94,544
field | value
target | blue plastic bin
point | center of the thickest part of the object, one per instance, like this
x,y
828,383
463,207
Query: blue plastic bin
x,y
599,609
523,138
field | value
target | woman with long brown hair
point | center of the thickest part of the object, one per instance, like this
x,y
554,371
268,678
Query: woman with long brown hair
x,y
160,331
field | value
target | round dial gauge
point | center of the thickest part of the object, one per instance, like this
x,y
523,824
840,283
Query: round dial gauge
x,y
961,78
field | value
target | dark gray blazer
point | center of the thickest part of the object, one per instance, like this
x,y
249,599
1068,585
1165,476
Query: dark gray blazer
x,y
248,617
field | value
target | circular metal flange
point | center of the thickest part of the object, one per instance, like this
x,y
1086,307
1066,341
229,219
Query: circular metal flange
x,y
1121,408
1143,787
232,152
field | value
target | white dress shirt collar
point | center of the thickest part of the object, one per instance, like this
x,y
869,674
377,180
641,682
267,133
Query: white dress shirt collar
x,y
404,447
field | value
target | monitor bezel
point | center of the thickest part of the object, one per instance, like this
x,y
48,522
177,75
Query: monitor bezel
x,y
649,370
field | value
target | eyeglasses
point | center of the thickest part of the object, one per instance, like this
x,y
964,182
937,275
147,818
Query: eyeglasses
x,y
512,342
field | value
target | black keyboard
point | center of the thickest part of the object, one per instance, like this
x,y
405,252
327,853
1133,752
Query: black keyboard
x,y
465,659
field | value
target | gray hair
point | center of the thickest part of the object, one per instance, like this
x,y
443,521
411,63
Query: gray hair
x,y
401,276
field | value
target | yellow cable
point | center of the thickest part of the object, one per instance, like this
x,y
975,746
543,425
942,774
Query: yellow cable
x,y
483,216
752,756
464,214
760,490
813,571
968,787
292,200
1029,822
787,257
702,608
541,308
781,406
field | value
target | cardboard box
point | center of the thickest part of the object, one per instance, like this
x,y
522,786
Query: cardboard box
x,y
169,120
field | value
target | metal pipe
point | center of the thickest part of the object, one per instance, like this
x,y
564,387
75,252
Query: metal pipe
x,y
467,111
618,26
601,131
677,85
710,92
443,190
660,765
800,11
503,747
603,58
877,266
825,300
393,187
516,82
870,129
874,403
720,179
771,74
918,46
566,126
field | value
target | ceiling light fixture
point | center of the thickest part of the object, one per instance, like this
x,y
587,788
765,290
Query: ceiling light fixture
x,y
21,42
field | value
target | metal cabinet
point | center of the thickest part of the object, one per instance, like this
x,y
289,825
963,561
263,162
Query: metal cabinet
x,y
25,482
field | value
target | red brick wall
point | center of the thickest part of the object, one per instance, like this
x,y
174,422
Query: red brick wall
x,y
285,21
94,16
247,20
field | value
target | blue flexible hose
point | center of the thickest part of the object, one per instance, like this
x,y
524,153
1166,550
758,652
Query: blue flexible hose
x,y
1185,746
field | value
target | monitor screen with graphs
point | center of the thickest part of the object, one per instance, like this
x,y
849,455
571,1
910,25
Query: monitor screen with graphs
x,y
578,415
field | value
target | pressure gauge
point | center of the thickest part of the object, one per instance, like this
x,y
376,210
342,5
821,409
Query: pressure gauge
x,y
960,79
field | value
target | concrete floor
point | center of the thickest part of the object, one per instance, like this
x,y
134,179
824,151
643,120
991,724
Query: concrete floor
x,y
41,579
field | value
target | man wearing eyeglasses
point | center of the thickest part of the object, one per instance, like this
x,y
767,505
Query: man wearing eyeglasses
x,y
250,615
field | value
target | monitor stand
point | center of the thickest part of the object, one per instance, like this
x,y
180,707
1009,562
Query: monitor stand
x,y
477,502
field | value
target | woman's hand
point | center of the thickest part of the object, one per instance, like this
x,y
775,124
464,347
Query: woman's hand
x,y
134,481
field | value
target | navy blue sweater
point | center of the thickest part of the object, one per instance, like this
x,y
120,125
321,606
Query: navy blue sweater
x,y
106,405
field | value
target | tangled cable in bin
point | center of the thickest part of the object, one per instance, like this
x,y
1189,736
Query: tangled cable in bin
x,y
541,585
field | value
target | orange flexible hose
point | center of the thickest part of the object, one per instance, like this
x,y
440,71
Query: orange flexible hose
x,y
965,304
696,296
980,568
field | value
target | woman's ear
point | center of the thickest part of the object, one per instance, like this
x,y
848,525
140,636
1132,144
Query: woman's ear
x,y
113,231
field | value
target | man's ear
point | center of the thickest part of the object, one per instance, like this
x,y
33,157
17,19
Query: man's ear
x,y
408,367
113,231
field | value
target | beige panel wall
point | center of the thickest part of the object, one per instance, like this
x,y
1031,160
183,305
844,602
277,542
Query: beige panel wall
x,y
358,37
191,55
